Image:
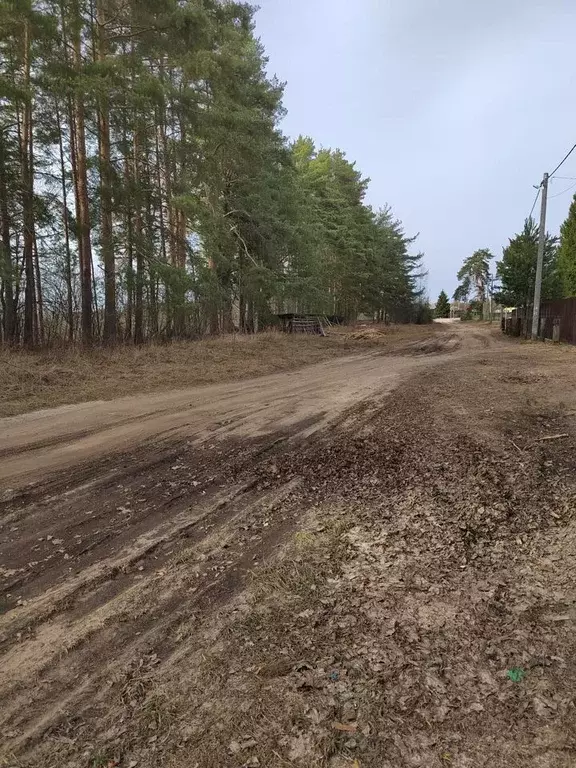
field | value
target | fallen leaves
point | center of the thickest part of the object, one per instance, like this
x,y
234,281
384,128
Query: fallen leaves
x,y
300,748
386,635
235,747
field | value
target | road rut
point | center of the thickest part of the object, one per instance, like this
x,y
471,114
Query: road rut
x,y
123,520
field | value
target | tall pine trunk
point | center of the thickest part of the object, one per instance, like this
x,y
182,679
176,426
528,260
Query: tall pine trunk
x,y
26,147
106,233
150,239
138,243
241,292
180,233
129,241
81,184
39,299
160,190
66,226
6,254
167,184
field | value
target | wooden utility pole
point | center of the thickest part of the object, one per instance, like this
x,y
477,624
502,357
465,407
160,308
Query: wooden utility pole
x,y
540,262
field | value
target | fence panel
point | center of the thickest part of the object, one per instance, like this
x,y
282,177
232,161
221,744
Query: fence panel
x,y
560,313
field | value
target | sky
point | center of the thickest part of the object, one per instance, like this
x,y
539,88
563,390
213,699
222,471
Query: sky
x,y
453,108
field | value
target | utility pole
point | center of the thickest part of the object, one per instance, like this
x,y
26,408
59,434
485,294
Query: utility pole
x,y
540,263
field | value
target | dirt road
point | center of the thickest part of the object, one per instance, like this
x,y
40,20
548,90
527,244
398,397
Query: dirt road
x,y
33,444
131,634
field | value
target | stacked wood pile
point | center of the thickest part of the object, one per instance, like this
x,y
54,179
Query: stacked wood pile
x,y
302,324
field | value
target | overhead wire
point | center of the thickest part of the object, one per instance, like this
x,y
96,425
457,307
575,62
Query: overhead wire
x,y
544,182
561,163
535,201
552,175
563,191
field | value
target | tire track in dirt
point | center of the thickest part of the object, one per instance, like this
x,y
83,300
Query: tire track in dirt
x,y
175,527
90,642
224,556
35,445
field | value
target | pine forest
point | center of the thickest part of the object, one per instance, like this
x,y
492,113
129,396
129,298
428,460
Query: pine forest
x,y
147,191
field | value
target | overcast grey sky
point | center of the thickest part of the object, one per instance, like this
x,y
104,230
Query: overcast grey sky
x,y
454,108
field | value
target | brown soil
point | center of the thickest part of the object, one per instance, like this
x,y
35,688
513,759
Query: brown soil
x,y
34,444
369,563
46,379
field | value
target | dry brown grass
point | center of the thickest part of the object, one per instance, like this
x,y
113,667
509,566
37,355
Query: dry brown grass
x,y
31,381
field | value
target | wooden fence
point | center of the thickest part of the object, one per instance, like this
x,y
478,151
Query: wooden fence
x,y
557,321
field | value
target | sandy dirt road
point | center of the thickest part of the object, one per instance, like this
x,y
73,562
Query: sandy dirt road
x,y
129,529
34,444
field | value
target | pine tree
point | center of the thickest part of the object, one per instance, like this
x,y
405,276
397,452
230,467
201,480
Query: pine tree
x,y
8,273
146,189
103,8
442,309
474,273
517,270
567,252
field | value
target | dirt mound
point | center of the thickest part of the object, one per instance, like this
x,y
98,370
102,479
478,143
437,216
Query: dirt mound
x,y
371,333
432,346
380,333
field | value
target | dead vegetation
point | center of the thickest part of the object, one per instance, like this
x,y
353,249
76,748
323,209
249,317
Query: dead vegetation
x,y
381,333
45,379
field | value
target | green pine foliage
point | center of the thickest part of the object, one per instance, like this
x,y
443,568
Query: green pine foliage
x,y
567,252
473,276
517,270
155,196
442,309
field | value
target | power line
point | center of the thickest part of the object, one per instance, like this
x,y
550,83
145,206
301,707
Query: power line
x,y
566,178
535,201
561,163
563,191
542,241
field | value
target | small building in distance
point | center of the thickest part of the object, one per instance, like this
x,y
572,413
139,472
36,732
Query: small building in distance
x,y
458,309
476,310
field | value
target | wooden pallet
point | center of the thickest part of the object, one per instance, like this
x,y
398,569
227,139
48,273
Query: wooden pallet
x,y
306,325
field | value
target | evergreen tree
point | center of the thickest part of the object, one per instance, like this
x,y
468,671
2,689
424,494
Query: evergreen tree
x,y
517,270
442,309
474,274
146,189
462,292
567,252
